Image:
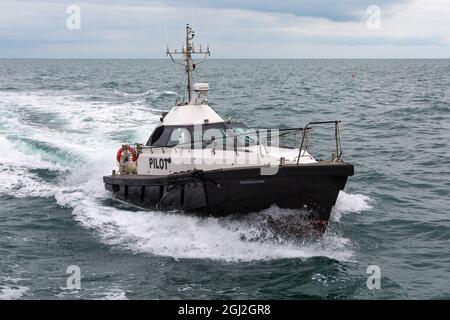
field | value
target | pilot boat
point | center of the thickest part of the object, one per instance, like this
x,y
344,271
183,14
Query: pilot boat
x,y
197,162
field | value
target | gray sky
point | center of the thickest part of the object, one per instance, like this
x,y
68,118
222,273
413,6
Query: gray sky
x,y
233,28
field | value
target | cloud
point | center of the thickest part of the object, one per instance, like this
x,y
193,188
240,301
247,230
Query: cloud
x,y
346,10
271,29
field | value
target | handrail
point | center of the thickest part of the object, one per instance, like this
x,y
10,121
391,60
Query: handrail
x,y
337,134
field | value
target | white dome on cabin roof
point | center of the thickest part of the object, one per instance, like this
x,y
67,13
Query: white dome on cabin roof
x,y
201,87
200,94
191,114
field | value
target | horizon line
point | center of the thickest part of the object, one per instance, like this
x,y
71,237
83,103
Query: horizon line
x,y
164,58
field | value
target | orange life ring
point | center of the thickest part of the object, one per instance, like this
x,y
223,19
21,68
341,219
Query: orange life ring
x,y
132,150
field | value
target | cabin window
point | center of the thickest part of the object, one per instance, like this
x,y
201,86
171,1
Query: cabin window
x,y
155,136
214,137
170,136
181,137
222,135
160,137
245,137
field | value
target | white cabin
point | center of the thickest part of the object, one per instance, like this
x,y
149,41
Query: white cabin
x,y
194,137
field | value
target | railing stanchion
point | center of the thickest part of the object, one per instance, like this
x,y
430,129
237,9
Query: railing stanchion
x,y
337,136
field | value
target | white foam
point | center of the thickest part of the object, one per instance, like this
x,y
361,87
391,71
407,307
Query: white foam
x,y
136,94
17,180
12,156
9,286
82,117
12,293
350,203
115,294
182,236
86,144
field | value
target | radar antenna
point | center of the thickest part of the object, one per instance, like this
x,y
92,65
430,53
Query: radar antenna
x,y
188,50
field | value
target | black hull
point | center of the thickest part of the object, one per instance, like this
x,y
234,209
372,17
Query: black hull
x,y
313,187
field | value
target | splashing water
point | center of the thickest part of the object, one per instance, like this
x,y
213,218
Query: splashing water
x,y
12,293
350,203
11,288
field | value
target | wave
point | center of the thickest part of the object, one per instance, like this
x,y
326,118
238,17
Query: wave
x,y
189,237
134,94
12,292
115,294
110,85
149,92
10,288
17,176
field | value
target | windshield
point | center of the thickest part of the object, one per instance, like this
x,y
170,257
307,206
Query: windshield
x,y
221,135
229,136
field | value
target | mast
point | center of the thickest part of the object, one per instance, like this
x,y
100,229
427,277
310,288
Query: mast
x,y
189,47
187,51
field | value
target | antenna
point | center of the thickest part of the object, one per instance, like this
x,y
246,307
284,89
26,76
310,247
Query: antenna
x,y
188,50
